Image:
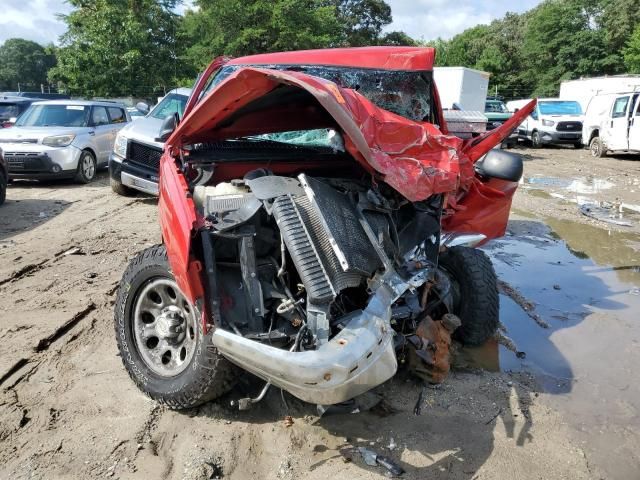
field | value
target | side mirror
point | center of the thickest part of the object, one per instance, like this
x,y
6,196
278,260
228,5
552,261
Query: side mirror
x,y
501,165
169,124
142,107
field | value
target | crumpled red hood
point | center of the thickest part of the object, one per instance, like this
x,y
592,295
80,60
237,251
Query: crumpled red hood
x,y
415,158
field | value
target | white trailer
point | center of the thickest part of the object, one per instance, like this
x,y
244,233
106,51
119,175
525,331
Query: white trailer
x,y
584,89
462,86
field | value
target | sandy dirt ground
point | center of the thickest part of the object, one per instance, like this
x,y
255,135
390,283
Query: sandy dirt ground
x,y
566,406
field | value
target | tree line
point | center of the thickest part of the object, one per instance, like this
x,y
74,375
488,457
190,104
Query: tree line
x,y
141,47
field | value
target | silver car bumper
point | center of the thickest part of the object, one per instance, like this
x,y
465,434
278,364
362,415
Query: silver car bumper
x,y
40,159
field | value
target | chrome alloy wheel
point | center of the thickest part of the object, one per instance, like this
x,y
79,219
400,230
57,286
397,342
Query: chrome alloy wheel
x,y
164,327
88,166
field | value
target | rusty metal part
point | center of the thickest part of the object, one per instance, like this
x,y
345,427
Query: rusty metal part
x,y
429,356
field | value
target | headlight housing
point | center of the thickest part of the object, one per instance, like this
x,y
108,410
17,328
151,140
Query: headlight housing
x,y
120,146
58,140
548,123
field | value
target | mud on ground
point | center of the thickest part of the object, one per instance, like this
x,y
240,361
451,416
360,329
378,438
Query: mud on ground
x,y
566,407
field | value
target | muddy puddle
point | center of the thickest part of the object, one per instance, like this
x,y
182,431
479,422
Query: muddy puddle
x,y
584,283
596,198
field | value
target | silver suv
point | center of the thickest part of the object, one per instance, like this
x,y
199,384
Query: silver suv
x,y
62,139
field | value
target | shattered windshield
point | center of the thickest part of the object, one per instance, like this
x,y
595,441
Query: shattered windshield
x,y
405,93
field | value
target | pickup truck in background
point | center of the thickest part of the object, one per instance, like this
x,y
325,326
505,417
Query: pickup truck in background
x,y
612,123
553,122
497,113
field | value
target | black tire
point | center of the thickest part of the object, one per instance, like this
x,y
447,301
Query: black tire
x,y
475,293
3,187
207,376
597,148
87,167
120,189
535,140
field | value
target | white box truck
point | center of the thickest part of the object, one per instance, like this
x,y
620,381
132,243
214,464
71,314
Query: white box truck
x,y
584,89
464,87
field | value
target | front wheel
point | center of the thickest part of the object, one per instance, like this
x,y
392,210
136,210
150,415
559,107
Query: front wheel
x,y
120,189
86,167
3,188
597,148
536,142
161,339
475,293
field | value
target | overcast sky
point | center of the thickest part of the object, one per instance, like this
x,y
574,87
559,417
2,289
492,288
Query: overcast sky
x,y
427,19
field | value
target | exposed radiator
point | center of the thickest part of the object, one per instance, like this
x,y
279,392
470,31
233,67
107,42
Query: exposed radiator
x,y
302,250
312,237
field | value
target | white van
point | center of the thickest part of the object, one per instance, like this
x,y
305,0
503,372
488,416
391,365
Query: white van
x,y
553,121
612,123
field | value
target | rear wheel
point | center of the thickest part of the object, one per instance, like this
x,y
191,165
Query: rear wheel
x,y
475,293
596,148
161,339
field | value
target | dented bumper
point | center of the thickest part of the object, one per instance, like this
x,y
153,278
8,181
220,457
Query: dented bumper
x,y
359,358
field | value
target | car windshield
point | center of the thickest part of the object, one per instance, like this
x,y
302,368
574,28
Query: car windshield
x,y
8,110
172,103
560,108
405,93
54,116
495,107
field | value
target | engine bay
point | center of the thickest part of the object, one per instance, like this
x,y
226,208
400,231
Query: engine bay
x,y
294,257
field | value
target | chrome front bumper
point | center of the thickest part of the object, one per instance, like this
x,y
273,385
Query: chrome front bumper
x,y
138,183
359,358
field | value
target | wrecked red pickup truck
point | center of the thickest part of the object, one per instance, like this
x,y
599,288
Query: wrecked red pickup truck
x,y
339,225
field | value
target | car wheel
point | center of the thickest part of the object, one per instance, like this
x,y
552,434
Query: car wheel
x,y
596,148
535,140
475,293
161,339
86,167
3,188
121,189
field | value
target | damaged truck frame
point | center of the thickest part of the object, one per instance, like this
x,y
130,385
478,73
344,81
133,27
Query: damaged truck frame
x,y
339,223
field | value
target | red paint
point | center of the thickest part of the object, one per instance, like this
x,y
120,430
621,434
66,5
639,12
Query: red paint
x,y
383,58
418,159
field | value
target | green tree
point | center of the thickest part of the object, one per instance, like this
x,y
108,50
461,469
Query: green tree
x,y
632,52
24,62
618,19
362,22
397,38
563,41
118,47
244,27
